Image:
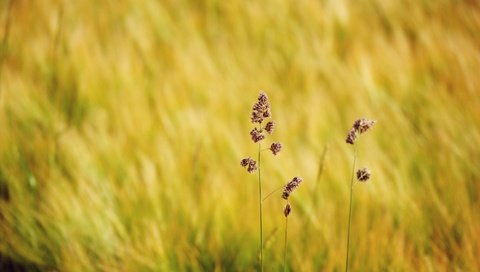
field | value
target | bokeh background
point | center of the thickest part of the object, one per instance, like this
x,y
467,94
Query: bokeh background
x,y
122,126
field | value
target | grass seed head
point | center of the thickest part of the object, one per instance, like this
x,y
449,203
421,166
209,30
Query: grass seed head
x,y
276,147
287,210
363,174
250,164
261,109
360,126
256,135
290,187
352,136
269,127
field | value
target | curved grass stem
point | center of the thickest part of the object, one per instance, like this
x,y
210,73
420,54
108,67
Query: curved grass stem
x,y
269,194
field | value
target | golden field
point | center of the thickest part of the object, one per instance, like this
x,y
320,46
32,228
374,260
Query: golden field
x,y
123,123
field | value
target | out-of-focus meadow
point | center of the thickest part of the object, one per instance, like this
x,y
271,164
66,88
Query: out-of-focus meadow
x,y
122,126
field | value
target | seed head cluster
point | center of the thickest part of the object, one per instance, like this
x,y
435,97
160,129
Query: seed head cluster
x,y
260,112
359,126
256,135
250,164
287,209
261,109
363,174
290,187
275,148
269,127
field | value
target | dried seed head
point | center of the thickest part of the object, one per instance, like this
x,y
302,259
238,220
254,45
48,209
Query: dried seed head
x,y
362,125
291,186
267,113
256,135
263,98
276,147
269,127
351,137
261,109
363,174
245,162
287,210
359,126
252,166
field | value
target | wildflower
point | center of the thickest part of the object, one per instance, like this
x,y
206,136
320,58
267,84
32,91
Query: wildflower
x,y
276,147
363,174
287,209
291,186
269,127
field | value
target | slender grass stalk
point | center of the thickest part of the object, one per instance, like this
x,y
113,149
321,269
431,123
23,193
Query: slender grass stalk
x,y
360,126
260,111
285,246
271,193
350,210
260,205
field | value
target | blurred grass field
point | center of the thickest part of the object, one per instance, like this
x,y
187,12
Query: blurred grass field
x,y
122,125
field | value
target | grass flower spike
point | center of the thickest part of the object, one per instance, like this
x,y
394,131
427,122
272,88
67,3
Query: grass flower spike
x,y
359,127
290,187
287,209
260,112
275,148
363,174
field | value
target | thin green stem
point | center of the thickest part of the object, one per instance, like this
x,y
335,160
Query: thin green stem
x,y
350,210
285,246
283,186
260,206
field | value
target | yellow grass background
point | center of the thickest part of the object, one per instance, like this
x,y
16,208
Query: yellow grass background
x,y
122,125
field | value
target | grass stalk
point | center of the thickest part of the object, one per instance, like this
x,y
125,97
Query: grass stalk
x,y
260,205
272,192
350,209
285,246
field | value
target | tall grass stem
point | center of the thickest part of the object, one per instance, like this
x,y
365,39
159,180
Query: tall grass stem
x,y
350,210
285,246
260,205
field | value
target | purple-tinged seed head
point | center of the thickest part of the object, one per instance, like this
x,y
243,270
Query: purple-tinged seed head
x,y
256,135
363,174
261,109
252,166
275,148
269,127
291,186
362,125
351,137
245,162
287,210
